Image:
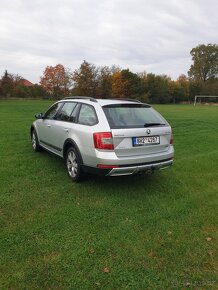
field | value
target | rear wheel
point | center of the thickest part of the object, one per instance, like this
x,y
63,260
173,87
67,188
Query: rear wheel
x,y
74,165
35,143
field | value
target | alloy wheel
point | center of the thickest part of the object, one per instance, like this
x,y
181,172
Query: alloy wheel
x,y
34,141
72,164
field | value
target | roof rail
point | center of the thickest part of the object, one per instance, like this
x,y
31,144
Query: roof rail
x,y
82,98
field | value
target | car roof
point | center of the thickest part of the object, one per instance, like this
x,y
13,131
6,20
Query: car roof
x,y
103,102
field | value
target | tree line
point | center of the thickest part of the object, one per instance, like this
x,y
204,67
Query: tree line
x,y
114,82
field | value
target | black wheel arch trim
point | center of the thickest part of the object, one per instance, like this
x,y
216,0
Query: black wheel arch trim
x,y
73,143
33,127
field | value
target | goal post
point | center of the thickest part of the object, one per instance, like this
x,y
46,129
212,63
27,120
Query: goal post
x,y
200,96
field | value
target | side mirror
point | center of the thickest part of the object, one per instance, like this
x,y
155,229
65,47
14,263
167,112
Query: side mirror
x,y
39,116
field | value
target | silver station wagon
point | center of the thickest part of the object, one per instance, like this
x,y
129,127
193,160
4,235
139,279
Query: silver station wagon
x,y
110,137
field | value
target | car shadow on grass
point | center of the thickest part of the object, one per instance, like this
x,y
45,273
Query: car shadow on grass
x,y
130,186
136,184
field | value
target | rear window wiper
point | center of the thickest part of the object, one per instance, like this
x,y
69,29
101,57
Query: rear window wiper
x,y
153,124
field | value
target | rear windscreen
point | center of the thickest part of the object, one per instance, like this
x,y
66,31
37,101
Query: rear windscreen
x,y
132,116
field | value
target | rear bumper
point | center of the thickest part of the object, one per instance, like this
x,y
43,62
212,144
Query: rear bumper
x,y
130,169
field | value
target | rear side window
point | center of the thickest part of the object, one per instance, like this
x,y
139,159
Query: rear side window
x,y
132,116
87,115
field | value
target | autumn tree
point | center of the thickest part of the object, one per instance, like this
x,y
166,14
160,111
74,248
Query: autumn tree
x,y
144,87
56,80
85,80
8,83
158,88
205,62
118,85
104,82
126,84
133,87
180,89
177,92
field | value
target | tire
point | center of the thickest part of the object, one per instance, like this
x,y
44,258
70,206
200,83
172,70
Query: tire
x,y
74,165
35,142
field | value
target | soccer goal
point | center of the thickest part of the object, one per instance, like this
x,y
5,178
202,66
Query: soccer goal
x,y
198,97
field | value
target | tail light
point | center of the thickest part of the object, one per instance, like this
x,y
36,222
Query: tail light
x,y
103,140
102,166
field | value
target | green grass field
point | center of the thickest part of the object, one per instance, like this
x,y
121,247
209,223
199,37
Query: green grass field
x,y
134,232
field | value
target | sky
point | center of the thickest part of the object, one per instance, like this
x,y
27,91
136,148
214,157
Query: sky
x,y
155,36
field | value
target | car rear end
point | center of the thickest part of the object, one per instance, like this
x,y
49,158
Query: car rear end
x,y
131,138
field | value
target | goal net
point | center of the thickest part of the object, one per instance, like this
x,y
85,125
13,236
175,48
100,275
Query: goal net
x,y
208,98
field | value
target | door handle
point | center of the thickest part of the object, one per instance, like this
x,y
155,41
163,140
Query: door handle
x,y
66,130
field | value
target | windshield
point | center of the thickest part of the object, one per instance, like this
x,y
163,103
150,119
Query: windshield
x,y
132,116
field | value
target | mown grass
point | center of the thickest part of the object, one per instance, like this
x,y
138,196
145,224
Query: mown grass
x,y
135,232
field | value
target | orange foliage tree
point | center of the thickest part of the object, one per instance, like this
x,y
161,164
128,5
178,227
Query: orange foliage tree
x,y
118,85
56,80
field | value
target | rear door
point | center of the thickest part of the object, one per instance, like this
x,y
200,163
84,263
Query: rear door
x,y
137,129
62,124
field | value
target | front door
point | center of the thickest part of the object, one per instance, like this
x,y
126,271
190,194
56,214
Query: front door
x,y
46,125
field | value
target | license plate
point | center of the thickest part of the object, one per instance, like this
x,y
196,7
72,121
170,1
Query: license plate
x,y
148,140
